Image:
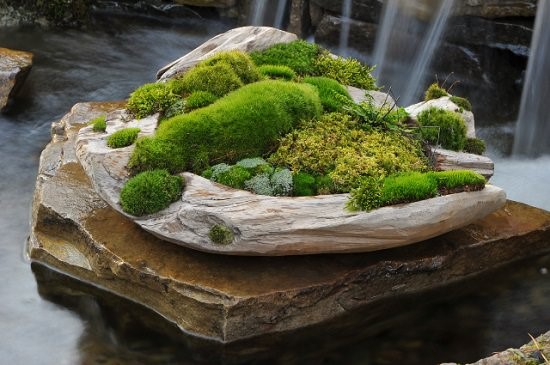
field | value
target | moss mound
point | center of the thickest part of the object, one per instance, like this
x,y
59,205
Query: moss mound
x,y
347,71
240,62
443,127
474,145
199,99
277,72
435,91
247,122
123,137
151,98
221,234
461,102
218,79
336,146
99,124
329,90
299,55
150,192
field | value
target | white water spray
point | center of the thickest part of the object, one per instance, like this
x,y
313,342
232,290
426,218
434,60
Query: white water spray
x,y
280,14
257,12
344,29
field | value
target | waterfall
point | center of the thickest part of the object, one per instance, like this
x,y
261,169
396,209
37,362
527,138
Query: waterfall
x,y
344,30
406,42
257,12
280,13
533,124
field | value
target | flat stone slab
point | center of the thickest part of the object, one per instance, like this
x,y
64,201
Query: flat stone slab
x,y
14,68
227,298
275,226
446,160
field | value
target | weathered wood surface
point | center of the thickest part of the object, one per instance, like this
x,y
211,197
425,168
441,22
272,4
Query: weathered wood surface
x,y
265,225
451,160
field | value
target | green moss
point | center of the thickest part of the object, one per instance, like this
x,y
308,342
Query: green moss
x,y
150,192
123,137
324,184
372,117
246,122
406,188
327,89
443,127
151,98
277,72
336,146
367,195
221,234
458,179
234,177
347,71
435,92
304,184
474,145
299,55
240,62
177,108
218,79
199,99
99,124
461,102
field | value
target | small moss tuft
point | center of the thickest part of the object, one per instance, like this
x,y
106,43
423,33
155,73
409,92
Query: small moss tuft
x,y
474,145
218,79
439,126
461,102
327,89
221,234
199,99
99,124
304,184
435,92
347,71
240,62
123,137
150,192
151,98
234,177
277,72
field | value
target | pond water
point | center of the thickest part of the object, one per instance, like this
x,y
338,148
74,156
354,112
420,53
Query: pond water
x,y
67,323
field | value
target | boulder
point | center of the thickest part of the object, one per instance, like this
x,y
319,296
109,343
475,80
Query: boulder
x,y
532,353
362,35
378,98
275,226
446,104
14,69
227,298
446,160
246,39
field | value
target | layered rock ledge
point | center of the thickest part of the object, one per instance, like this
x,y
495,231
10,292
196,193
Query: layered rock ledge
x,y
14,69
230,298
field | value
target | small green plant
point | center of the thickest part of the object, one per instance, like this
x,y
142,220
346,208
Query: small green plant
x,y
347,71
99,124
461,102
367,195
151,98
327,89
281,182
221,234
177,108
298,55
458,179
260,184
304,184
218,79
474,145
150,192
234,176
256,165
372,117
199,99
325,185
277,72
123,137
240,62
247,122
447,128
435,91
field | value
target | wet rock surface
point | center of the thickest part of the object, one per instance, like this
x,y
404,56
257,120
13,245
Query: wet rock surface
x,y
14,69
230,298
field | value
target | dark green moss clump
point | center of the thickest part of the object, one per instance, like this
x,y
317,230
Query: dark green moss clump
x,y
277,72
474,145
435,92
221,234
199,99
447,128
123,137
304,184
151,98
99,124
461,102
328,90
247,122
298,55
150,192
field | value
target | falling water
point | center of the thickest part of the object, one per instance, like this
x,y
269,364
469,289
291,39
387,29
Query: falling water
x,y
533,126
279,15
408,36
344,30
257,11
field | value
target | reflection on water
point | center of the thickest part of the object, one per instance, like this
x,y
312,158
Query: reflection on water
x,y
80,325
461,323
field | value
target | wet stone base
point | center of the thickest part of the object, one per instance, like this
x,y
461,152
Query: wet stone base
x,y
227,299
